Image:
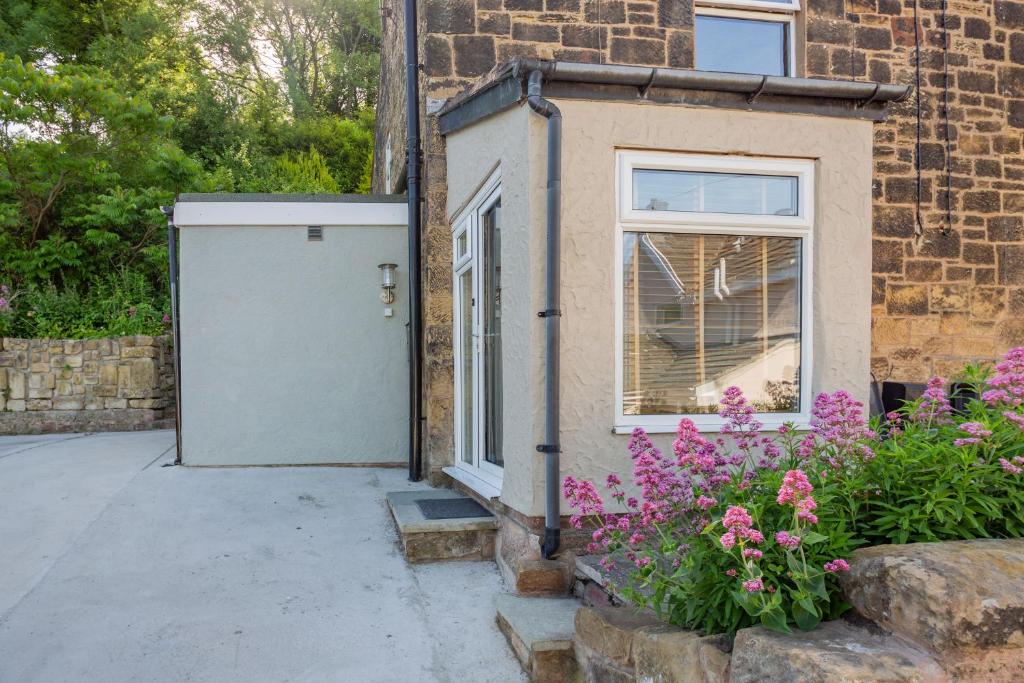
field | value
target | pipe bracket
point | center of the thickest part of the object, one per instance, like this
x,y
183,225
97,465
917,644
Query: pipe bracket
x,y
550,312
548,448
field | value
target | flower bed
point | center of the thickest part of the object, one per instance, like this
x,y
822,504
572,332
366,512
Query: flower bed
x,y
753,528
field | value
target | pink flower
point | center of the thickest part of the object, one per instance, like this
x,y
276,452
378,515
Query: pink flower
x,y
787,540
808,517
739,419
706,503
642,562
1012,467
737,516
1015,418
583,496
837,565
730,572
934,407
795,486
752,535
752,553
612,481
838,421
728,540
1006,386
753,585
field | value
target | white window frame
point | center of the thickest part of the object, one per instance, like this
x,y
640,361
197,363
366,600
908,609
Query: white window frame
x,y
757,11
693,223
483,476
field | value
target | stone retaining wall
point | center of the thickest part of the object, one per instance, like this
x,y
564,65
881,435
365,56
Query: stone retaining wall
x,y
65,385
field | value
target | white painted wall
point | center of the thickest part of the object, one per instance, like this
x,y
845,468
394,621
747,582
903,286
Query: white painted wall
x,y
286,355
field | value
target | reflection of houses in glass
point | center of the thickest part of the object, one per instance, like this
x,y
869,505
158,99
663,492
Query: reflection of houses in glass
x,y
704,312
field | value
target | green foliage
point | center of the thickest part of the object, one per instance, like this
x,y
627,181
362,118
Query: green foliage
x,y
117,304
110,108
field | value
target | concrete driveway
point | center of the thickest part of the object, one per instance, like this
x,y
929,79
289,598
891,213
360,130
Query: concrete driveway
x,y
115,568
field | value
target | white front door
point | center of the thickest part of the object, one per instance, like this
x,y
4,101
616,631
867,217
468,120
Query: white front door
x,y
477,326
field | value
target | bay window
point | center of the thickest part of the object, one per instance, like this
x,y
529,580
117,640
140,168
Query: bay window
x,y
713,287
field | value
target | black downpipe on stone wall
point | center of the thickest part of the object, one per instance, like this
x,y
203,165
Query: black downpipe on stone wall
x,y
412,170
172,265
551,315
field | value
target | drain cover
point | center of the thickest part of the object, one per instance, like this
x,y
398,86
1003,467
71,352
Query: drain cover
x,y
451,508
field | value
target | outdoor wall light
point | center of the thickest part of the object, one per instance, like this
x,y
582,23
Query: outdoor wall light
x,y
388,279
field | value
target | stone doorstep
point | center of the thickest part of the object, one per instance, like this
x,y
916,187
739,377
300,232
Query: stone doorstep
x,y
540,632
542,577
438,540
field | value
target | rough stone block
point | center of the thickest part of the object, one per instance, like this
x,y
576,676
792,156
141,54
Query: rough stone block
x,y
668,656
834,651
609,631
16,405
16,384
542,577
945,596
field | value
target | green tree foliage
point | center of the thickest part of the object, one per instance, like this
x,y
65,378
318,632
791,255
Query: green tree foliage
x,y
109,108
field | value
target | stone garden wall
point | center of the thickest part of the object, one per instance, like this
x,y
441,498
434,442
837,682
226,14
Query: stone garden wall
x,y
65,385
920,612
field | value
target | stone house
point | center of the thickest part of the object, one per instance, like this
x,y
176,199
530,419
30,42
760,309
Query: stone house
x,y
790,196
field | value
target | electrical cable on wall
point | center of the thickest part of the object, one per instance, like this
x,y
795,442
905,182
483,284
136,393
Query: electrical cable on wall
x,y
947,230
919,223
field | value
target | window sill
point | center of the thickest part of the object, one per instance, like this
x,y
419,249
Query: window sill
x,y
801,424
485,489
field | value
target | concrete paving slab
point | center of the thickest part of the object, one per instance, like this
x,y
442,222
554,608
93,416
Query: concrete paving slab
x,y
263,574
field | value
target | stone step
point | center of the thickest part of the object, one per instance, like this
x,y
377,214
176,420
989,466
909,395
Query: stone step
x,y
961,601
437,540
540,632
542,577
834,651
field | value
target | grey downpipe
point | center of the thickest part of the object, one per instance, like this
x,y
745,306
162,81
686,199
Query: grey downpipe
x,y
552,315
412,113
172,267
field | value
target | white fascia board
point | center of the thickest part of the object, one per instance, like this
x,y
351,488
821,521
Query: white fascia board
x,y
236,214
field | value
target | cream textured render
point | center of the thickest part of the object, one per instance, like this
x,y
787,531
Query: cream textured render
x,y
592,134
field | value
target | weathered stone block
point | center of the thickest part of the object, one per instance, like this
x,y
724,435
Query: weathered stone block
x,y
16,383
16,405
834,651
542,577
609,631
671,656
945,596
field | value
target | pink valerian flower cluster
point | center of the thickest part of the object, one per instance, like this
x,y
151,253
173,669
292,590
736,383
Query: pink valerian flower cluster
x,y
1014,467
836,566
753,585
740,531
796,490
787,540
1006,386
837,420
1015,418
977,432
745,429
582,496
934,407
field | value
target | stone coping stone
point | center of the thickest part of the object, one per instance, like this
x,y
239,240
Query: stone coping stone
x,y
589,567
610,630
540,624
410,519
834,651
947,597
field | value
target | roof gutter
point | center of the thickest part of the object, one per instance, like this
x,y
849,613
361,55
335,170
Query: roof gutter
x,y
551,314
576,79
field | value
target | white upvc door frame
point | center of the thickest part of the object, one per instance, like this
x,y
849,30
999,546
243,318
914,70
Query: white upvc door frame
x,y
469,222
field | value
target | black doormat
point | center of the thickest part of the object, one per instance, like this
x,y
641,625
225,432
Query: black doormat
x,y
451,508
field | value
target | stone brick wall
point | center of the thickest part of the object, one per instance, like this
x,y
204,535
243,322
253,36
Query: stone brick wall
x,y
55,385
945,292
947,289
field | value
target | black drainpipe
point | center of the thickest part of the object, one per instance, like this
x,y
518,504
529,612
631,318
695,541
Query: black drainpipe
x,y
412,113
172,265
552,314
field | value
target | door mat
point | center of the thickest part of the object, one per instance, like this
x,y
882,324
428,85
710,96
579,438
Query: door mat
x,y
451,508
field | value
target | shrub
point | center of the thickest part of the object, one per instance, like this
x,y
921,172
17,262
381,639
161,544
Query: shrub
x,y
750,528
119,304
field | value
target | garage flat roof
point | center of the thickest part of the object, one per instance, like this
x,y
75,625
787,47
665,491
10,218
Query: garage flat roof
x,y
291,197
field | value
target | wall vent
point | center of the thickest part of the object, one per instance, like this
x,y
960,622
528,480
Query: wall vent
x,y
315,233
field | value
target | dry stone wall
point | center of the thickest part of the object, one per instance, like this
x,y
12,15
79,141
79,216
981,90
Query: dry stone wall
x,y
63,385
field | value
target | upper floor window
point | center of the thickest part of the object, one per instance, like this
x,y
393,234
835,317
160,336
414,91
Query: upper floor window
x,y
746,36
